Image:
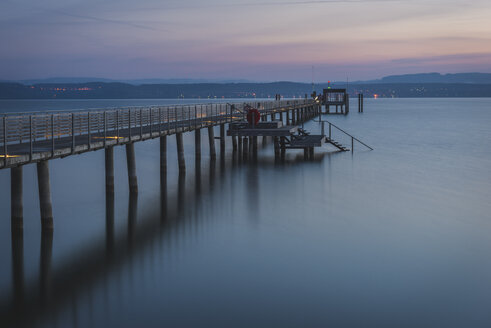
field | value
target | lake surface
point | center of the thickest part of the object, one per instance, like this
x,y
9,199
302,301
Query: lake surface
x,y
395,237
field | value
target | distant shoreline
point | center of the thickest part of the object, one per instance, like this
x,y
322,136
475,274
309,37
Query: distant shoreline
x,y
201,91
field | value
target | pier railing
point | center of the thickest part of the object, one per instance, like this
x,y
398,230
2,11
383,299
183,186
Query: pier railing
x,y
332,126
24,134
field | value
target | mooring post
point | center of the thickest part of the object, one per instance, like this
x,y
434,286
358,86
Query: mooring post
x,y
17,209
44,187
180,153
211,141
239,142
311,152
131,164
109,161
197,144
222,139
254,144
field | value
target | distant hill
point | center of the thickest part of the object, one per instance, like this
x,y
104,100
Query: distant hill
x,y
473,78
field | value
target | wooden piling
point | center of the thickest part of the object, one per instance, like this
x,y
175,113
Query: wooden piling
x,y
234,143
163,160
16,206
197,144
211,141
131,165
45,205
180,153
109,164
245,148
276,147
222,139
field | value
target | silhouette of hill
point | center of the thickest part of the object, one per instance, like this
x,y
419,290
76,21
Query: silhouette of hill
x,y
474,78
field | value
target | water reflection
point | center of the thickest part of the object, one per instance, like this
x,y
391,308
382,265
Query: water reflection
x,y
70,285
18,267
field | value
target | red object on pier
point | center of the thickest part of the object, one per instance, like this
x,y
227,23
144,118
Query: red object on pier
x,y
253,115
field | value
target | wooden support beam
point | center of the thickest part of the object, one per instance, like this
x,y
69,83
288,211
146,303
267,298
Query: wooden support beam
x,y
16,204
180,153
45,205
211,141
276,146
245,148
222,139
197,144
234,143
109,166
131,165
163,160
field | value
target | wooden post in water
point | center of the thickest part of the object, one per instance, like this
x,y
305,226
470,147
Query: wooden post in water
x,y
276,147
163,160
109,163
234,143
211,141
180,153
45,204
16,206
245,148
239,141
197,144
222,139
131,164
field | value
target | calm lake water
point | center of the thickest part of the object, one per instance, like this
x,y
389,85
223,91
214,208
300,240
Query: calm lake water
x,y
395,237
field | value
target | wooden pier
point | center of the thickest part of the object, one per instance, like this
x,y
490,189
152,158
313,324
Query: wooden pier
x,y
41,136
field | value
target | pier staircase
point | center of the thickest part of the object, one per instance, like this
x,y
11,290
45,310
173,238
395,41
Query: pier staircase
x,y
336,144
330,140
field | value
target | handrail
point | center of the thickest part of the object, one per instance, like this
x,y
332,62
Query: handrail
x,y
337,127
114,124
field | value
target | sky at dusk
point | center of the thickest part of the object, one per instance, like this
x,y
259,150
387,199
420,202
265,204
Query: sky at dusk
x,y
267,40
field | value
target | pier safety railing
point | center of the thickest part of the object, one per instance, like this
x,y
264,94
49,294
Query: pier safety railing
x,y
27,137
